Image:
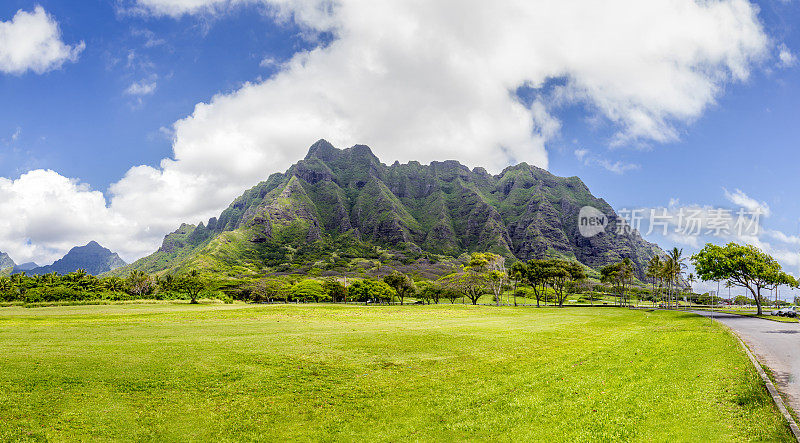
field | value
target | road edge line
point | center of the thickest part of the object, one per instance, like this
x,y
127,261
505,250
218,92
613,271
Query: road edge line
x,y
773,391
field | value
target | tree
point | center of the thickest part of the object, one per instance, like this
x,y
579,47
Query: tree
x,y
744,266
401,284
620,276
491,268
468,284
560,274
167,284
6,288
691,279
536,276
268,289
309,290
517,274
671,272
114,284
451,294
369,290
335,289
139,283
654,271
429,291
191,284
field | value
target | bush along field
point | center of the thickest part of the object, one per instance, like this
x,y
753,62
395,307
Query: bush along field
x,y
375,373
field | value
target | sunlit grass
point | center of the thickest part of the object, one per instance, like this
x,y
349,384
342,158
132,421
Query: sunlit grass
x,y
278,372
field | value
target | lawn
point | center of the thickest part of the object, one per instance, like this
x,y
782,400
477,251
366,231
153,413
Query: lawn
x,y
316,372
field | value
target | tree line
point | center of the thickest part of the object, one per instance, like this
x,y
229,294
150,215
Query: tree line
x,y
543,280
80,286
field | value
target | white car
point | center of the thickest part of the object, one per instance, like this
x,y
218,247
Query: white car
x,y
786,312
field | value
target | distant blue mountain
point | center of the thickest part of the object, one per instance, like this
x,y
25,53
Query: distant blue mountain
x,y
25,267
92,258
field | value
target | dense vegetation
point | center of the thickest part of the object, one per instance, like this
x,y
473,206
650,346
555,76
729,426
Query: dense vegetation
x,y
481,275
79,286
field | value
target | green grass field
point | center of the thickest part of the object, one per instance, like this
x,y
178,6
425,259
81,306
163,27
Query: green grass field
x,y
239,372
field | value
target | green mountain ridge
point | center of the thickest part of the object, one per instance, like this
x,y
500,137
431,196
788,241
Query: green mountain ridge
x,y
335,209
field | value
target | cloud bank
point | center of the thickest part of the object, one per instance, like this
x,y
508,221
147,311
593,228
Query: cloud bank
x,y
31,41
429,81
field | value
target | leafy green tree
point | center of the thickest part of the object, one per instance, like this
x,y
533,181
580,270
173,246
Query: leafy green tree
x,y
620,276
743,266
167,284
517,273
191,284
560,274
139,284
742,300
401,284
491,268
469,284
536,276
370,291
309,290
114,284
6,289
428,292
267,289
335,289
654,272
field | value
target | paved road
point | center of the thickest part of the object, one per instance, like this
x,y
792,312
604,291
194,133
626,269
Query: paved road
x,y
776,345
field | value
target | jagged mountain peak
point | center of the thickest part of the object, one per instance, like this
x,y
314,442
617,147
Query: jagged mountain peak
x,y
323,150
345,203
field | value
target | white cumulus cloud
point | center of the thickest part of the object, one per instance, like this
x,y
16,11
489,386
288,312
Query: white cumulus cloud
x,y
32,41
45,214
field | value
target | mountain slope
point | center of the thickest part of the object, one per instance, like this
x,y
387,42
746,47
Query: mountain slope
x,y
335,207
6,264
92,258
5,261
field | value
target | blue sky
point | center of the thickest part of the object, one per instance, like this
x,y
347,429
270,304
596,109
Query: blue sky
x,y
79,121
139,67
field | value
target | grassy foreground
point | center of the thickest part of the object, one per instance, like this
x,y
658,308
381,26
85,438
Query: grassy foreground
x,y
236,372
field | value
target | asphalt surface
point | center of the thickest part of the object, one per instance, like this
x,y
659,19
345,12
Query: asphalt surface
x,y
776,345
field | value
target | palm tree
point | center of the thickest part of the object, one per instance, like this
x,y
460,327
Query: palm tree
x,y
691,281
5,285
654,271
674,270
